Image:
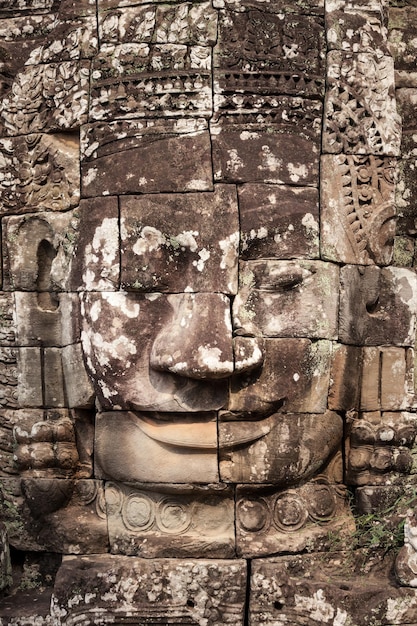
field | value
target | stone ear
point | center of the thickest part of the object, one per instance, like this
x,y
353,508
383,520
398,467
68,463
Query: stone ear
x,y
46,253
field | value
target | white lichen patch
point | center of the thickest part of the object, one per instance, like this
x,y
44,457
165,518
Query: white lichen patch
x,y
270,161
119,300
246,134
186,239
150,240
234,163
210,358
204,255
119,349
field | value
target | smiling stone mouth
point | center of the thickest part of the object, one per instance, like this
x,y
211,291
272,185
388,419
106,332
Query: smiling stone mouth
x,y
203,435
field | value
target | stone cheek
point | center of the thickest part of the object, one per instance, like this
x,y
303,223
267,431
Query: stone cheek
x,y
288,448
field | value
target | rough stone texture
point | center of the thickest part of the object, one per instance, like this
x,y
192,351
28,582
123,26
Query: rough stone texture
x,y
357,209
167,155
291,520
278,145
160,590
277,455
287,299
377,306
278,221
324,589
207,312
54,515
173,243
39,172
360,115
169,521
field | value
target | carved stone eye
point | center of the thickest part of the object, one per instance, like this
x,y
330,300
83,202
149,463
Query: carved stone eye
x,y
283,280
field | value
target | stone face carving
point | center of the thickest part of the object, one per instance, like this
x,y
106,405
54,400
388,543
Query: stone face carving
x,y
207,311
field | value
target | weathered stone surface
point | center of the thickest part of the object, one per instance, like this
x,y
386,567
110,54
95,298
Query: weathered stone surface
x,y
280,449
96,264
8,321
19,36
406,98
377,306
406,562
50,97
70,40
116,588
153,156
357,208
45,443
5,564
263,50
278,144
391,369
287,299
45,447
179,23
278,221
180,243
38,250
294,378
380,448
154,60
323,589
39,325
142,447
372,379
152,80
406,193
55,515
402,36
39,173
270,522
360,115
350,29
119,362
154,521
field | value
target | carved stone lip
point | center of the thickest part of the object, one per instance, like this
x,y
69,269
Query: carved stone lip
x,y
198,435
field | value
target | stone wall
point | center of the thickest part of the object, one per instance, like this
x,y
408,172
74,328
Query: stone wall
x,y
208,312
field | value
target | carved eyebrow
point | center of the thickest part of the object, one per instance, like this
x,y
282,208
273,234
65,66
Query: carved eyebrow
x,y
281,280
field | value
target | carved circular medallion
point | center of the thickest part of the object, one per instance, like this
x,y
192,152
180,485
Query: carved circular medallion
x,y
290,512
253,515
321,502
172,516
138,512
87,491
113,499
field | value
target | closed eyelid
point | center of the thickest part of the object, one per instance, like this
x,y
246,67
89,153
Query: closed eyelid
x,y
283,280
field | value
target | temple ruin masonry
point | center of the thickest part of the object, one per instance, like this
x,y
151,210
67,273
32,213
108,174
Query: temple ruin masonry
x,y
208,301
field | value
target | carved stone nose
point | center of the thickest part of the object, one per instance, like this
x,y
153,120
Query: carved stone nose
x,y
197,341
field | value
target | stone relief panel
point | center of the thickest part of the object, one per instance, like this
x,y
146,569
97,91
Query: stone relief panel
x,y
207,310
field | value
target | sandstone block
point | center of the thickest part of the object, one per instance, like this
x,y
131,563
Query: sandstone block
x,y
166,520
153,156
